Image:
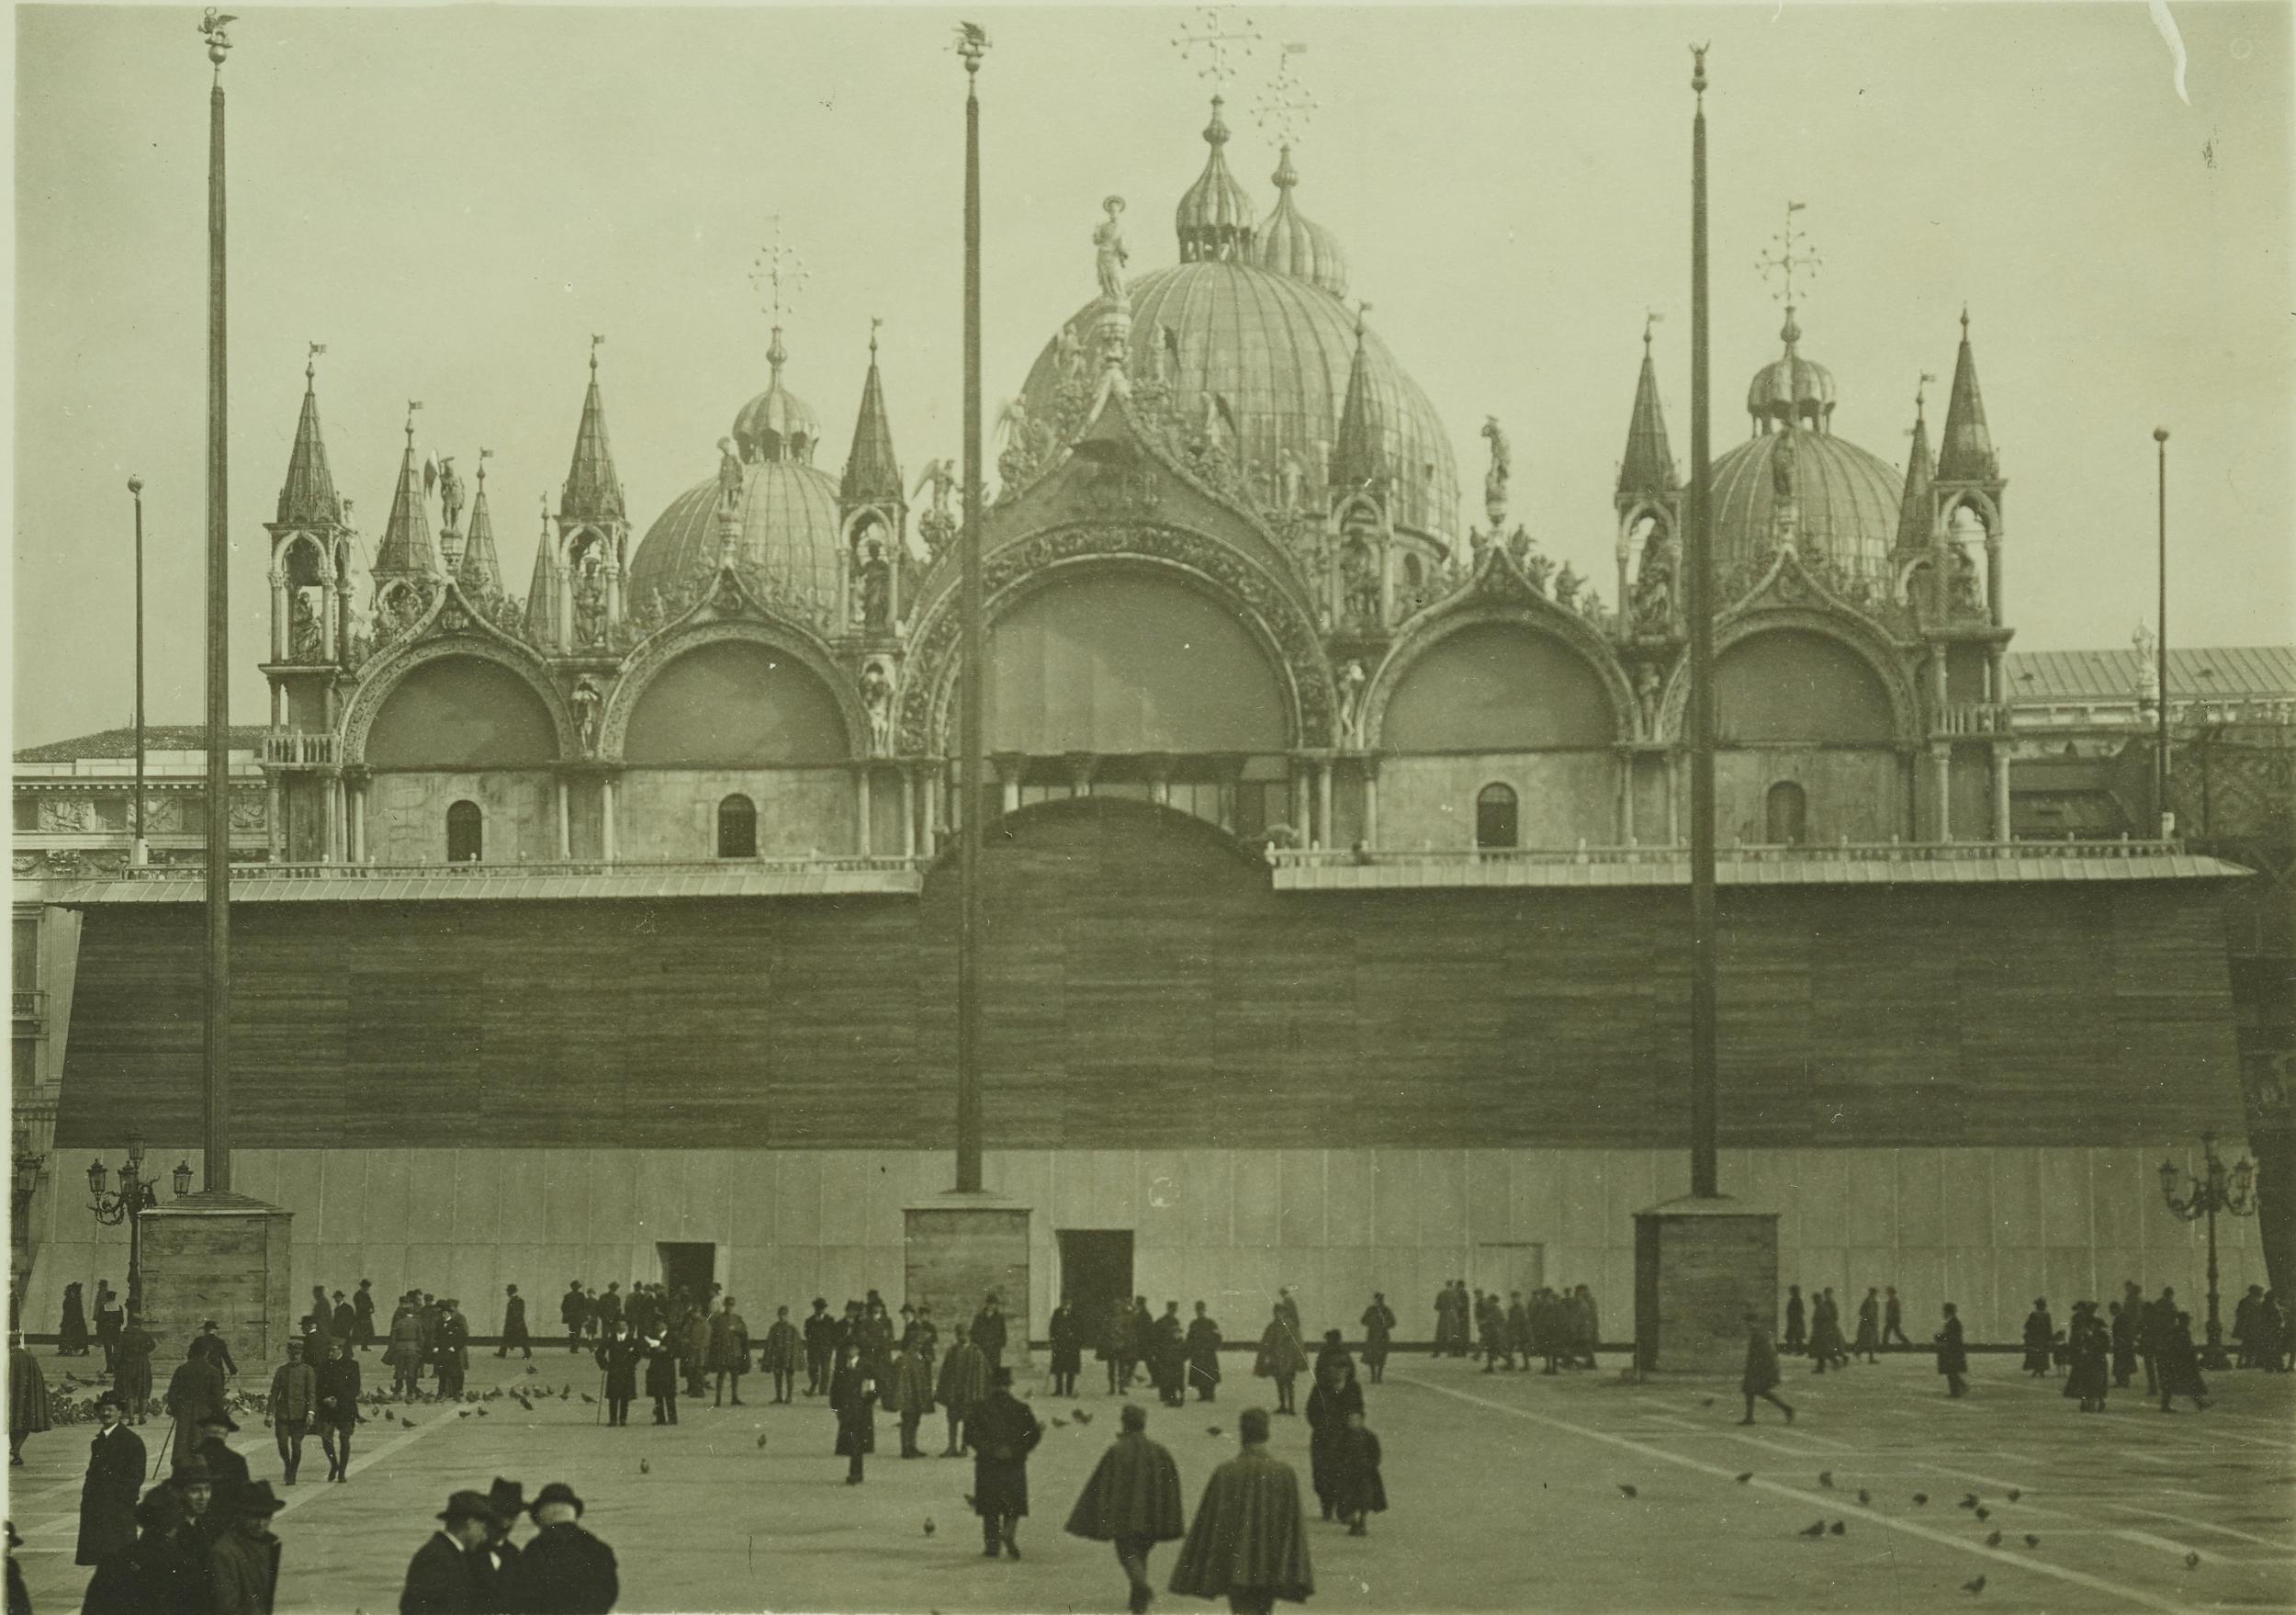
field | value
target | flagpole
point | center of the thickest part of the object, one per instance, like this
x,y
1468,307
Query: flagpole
x,y
972,764
1705,956
217,1140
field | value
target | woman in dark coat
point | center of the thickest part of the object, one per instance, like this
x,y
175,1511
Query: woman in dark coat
x,y
1378,1332
107,1496
1003,1433
853,1395
1203,1355
72,1335
2089,1349
1336,1394
2179,1364
617,1354
1952,1357
1068,1350
2040,1336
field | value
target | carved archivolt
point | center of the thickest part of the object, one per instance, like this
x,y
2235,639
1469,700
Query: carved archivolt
x,y
659,651
1842,626
1264,605
477,641
1532,613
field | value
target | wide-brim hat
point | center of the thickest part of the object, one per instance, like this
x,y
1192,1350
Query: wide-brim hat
x,y
112,1399
253,1499
219,1418
556,1492
506,1498
467,1506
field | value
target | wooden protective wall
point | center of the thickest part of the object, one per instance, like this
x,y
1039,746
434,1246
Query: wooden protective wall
x,y
1146,988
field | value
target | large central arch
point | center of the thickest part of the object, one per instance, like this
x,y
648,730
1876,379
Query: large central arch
x,y
1538,689
797,651
512,663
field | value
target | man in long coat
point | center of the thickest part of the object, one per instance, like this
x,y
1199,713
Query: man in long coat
x,y
853,1396
1336,1394
574,1314
782,1351
154,1575
442,1578
1953,1355
820,1347
1249,1544
338,1382
363,1310
1116,1345
988,1332
1003,1433
1067,1342
729,1350
1168,1367
131,1366
912,1395
194,1394
963,1385
27,1398
1761,1378
1379,1334
405,1352
114,1474
562,1570
1203,1355
514,1334
1132,1500
294,1404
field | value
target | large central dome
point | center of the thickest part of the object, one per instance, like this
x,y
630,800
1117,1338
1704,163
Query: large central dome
x,y
1276,346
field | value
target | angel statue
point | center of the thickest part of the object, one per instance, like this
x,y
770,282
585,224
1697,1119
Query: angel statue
x,y
1107,245
941,476
449,495
728,474
1501,465
1567,583
877,692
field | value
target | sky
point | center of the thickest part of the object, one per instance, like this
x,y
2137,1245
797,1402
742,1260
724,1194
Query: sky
x,y
454,200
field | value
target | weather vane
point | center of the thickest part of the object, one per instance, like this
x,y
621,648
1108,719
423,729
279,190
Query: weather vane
x,y
1920,388
1789,255
1216,34
1286,105
213,26
972,43
778,275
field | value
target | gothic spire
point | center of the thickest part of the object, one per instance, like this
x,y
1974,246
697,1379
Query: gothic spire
x,y
1649,466
542,593
307,499
406,550
592,491
1964,451
871,473
1913,509
1359,447
479,572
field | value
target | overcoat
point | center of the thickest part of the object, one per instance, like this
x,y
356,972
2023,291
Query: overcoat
x,y
1134,1493
1762,1363
1327,1421
1003,1433
515,1321
1067,1341
132,1368
339,1392
729,1344
963,1378
1952,1357
563,1570
781,1354
440,1579
1378,1330
1248,1535
107,1496
661,1369
71,1337
619,1358
1203,1351
989,1334
1280,1354
912,1386
1356,1488
293,1393
153,1576
2038,1336
27,1394
243,1572
1116,1334
853,1395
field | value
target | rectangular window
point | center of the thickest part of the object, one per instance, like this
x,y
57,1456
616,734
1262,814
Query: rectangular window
x,y
27,815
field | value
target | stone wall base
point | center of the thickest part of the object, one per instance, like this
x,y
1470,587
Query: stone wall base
x,y
1701,1266
959,1249
220,1255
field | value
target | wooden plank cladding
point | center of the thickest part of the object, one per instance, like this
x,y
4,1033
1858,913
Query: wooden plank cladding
x,y
1147,988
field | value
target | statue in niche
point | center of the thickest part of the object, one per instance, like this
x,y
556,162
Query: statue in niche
x,y
588,702
1351,678
1567,582
874,607
1359,580
1288,482
305,641
729,482
1654,585
590,598
1781,464
1108,255
876,693
1964,581
1647,695
1068,354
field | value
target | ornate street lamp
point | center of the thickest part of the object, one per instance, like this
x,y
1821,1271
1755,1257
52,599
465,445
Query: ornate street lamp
x,y
135,1194
2218,1189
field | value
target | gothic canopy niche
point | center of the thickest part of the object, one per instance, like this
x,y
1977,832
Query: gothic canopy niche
x,y
732,693
457,703
1223,659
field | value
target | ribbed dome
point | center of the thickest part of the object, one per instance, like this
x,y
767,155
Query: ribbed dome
x,y
1292,243
1278,350
789,532
1214,217
1792,387
777,424
1848,503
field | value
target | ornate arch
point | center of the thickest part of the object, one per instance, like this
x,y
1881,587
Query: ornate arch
x,y
1431,627
659,650
474,638
1282,628
1951,500
1834,622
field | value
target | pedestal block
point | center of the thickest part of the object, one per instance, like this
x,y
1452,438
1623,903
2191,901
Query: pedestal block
x,y
220,1255
1700,1266
962,1247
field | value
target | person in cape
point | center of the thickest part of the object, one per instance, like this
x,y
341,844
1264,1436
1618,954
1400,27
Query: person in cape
x,y
1280,1359
1203,1355
1003,1433
1248,1543
1134,1501
1379,1334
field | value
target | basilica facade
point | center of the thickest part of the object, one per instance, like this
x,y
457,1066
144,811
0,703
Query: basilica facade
x,y
1335,921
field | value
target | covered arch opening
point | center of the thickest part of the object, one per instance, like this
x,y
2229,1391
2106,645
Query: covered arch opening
x,y
736,704
462,712
1499,686
1799,686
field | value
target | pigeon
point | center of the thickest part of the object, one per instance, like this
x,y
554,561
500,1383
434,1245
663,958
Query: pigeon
x,y
588,1397
531,1369
929,1526
1839,1528
1974,1587
1212,1430
2014,1493
1707,1402
2192,1560
1826,1477
2031,1541
762,1448
1816,1529
1743,1478
1060,1423
1864,1496
1984,1513
1919,1498
1969,1501
463,1413
1627,1491
482,1413
1081,1416
1994,1540
644,1467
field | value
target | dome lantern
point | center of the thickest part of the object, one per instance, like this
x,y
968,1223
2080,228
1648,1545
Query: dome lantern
x,y
1215,216
777,424
1791,390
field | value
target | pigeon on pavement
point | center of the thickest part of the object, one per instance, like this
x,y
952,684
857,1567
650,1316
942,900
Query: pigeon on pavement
x,y
1974,1587
1627,1491
1816,1528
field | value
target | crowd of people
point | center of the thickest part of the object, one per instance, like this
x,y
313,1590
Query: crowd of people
x,y
1561,1328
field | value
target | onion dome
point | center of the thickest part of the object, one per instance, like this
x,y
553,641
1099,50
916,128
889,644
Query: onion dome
x,y
1791,388
1914,513
777,424
1648,464
405,550
1215,216
1292,243
592,491
872,474
1965,449
479,572
307,499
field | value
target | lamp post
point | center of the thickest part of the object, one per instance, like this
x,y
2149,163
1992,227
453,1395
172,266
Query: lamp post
x,y
142,851
135,1195
2216,1190
2163,826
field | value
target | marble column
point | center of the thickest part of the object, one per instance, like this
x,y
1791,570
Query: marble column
x,y
605,817
334,817
908,810
1323,836
275,815
1371,800
1082,765
359,820
560,791
278,616
935,780
1009,765
1159,766
863,841
1626,795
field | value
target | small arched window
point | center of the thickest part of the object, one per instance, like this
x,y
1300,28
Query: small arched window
x,y
1495,819
466,833
1785,814
736,828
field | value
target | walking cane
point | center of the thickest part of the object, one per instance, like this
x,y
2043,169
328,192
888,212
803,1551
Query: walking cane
x,y
165,1440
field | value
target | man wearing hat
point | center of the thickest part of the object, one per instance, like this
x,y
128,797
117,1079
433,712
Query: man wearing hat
x,y
132,1366
563,1570
820,1347
192,1487
211,1448
212,1342
196,1394
498,1558
1003,1433
338,1383
450,1348
295,1403
114,1474
154,1572
27,1398
514,1325
243,1566
443,1578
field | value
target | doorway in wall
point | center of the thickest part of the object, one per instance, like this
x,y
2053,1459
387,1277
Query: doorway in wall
x,y
1505,1270
687,1269
1095,1272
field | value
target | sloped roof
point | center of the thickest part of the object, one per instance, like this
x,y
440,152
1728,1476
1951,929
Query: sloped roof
x,y
2228,671
121,743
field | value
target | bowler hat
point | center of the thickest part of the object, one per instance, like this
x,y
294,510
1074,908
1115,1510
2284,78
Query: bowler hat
x,y
467,1506
506,1498
112,1399
556,1492
252,1499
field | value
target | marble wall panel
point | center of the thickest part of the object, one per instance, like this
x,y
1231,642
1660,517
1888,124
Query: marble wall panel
x,y
1919,1199
1255,1275
798,1191
1396,1270
1115,1194
343,1195
1969,1284
477,1211
1630,1184
1615,1297
752,1199
1585,1200
471,1281
1071,1200
1921,1281
430,1215
1348,1282
612,1196
1870,1210
430,1268
1163,1197
254,1173
2016,1197
1347,1197
2072,1274
1257,1198
2021,1274
1822,1194
1211,1200
1490,1197
1968,1193
1442,1179
658,1194
889,1191
1394,1198
524,1174
564,1194
844,1198
1299,1217
1672,1180
2064,1197
1535,1194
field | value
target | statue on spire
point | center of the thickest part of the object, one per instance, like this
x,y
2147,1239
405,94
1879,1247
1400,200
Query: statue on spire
x,y
1501,467
728,474
1107,245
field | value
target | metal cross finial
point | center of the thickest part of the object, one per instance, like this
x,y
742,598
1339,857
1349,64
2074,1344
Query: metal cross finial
x,y
875,322
1920,388
310,362
1650,317
780,272
412,405
1286,105
1216,34
1789,255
